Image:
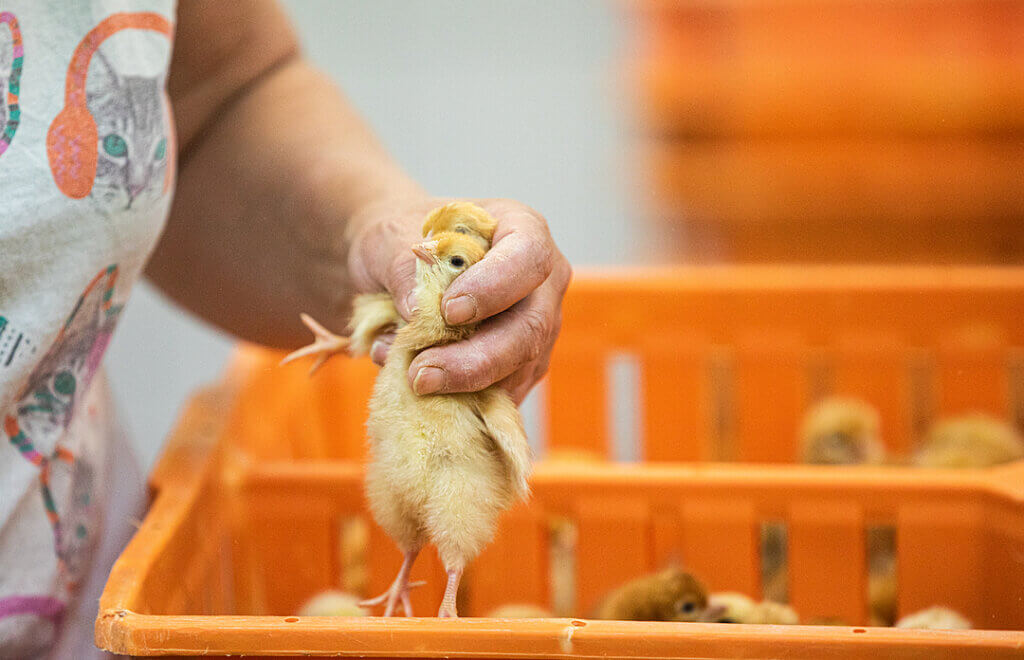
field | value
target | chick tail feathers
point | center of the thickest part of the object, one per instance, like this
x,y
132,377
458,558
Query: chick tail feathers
x,y
505,426
372,313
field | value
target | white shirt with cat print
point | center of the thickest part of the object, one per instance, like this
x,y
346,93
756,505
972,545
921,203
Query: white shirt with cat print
x,y
86,175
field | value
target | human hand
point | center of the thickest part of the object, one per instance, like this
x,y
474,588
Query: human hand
x,y
515,293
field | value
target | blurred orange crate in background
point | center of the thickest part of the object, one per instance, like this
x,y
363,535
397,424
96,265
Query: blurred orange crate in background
x,y
764,68
778,128
263,473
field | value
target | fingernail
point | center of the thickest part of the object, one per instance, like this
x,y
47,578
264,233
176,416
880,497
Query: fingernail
x,y
428,380
410,302
461,309
379,351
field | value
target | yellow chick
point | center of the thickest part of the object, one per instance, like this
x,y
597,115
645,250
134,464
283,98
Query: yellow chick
x,y
841,431
333,603
671,595
733,607
462,218
519,611
970,441
442,466
935,618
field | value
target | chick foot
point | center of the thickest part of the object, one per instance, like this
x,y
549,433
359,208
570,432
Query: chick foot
x,y
448,609
325,344
398,591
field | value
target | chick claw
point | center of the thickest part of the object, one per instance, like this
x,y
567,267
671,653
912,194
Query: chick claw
x,y
394,593
325,344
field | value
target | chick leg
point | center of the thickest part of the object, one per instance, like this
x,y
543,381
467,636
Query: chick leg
x,y
325,344
399,589
450,593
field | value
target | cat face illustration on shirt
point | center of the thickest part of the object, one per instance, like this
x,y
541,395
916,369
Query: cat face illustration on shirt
x,y
133,144
45,409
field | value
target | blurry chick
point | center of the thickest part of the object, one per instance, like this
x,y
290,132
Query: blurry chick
x,y
442,466
519,611
970,441
462,218
671,595
935,618
732,607
333,603
841,431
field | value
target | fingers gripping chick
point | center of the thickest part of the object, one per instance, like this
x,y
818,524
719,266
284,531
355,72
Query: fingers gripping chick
x,y
375,313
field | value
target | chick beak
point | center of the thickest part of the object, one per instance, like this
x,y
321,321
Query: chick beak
x,y
427,251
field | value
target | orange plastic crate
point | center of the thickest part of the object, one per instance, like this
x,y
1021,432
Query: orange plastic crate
x,y
255,484
801,68
839,131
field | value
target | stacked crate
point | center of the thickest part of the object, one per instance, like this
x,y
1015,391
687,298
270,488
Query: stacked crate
x,y
839,130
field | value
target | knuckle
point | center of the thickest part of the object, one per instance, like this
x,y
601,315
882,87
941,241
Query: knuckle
x,y
476,368
398,274
538,329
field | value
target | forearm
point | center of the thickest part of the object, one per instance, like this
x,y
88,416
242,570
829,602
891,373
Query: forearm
x,y
263,214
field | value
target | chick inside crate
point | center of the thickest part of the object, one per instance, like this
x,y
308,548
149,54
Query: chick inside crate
x,y
258,501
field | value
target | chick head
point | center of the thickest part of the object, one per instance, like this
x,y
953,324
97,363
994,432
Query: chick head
x,y
970,441
443,258
841,431
678,596
463,218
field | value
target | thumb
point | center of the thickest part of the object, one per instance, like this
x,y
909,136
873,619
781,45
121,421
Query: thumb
x,y
400,280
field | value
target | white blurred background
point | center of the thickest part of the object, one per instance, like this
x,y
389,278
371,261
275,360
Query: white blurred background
x,y
514,99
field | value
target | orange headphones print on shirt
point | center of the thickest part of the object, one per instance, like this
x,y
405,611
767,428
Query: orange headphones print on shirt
x,y
72,141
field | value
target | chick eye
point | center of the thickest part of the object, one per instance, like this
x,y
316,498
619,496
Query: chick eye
x,y
688,607
461,230
457,262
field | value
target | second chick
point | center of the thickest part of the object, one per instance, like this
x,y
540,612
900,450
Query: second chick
x,y
671,595
841,431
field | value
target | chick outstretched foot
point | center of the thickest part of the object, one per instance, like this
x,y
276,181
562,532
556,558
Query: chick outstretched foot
x,y
325,344
448,609
398,591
